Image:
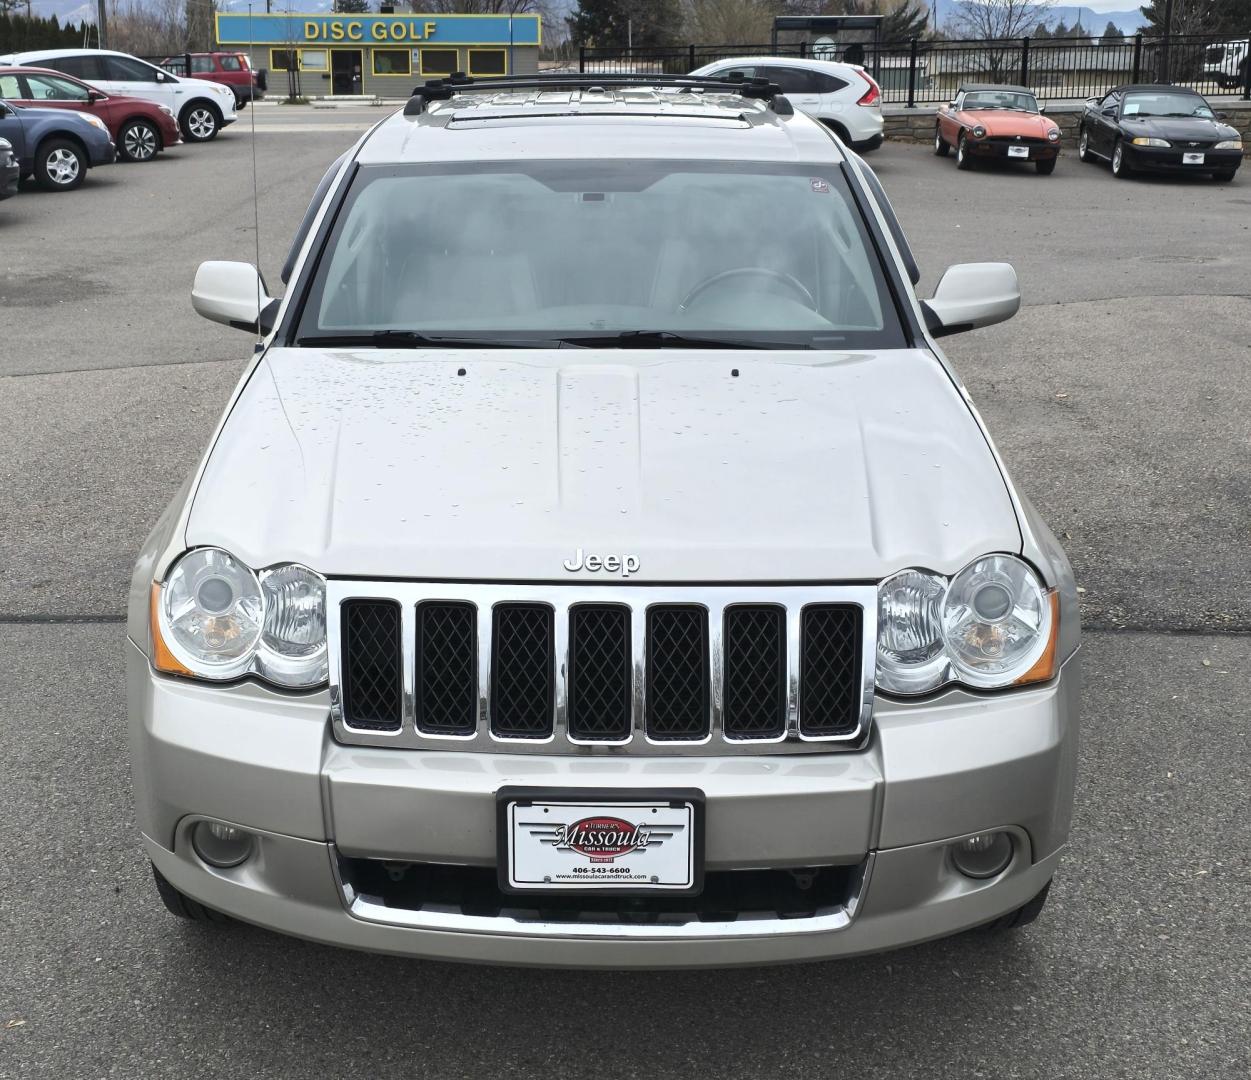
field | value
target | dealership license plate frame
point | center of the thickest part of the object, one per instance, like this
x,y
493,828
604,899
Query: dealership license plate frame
x,y
508,799
1018,151
1189,158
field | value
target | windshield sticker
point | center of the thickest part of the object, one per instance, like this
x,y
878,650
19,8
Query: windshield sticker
x,y
819,186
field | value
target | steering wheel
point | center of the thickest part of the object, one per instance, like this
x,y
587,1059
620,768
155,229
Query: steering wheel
x,y
789,280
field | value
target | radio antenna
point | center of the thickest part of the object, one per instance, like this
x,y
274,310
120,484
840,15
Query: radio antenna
x,y
256,202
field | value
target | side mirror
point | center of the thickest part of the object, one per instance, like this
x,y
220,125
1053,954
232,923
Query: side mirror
x,y
234,293
1091,102
1042,106
972,295
1222,116
1110,111
94,95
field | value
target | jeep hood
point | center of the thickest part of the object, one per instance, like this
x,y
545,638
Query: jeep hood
x,y
705,466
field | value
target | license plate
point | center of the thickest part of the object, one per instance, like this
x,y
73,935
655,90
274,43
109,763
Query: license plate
x,y
1018,151
1192,159
600,841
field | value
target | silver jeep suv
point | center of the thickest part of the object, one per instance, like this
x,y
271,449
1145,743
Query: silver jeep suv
x,y
600,564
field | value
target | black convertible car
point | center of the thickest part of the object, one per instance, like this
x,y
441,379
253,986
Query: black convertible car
x,y
1158,129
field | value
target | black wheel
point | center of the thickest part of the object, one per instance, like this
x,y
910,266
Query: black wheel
x,y
138,141
1120,167
200,122
1224,176
964,160
1083,146
940,144
60,165
1024,915
183,906
1045,168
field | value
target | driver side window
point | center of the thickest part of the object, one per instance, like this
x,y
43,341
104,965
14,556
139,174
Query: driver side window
x,y
124,69
49,88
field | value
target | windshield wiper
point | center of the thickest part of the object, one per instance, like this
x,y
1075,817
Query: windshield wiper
x,y
667,339
411,339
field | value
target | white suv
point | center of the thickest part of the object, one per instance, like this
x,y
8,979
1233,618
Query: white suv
x,y
203,108
843,97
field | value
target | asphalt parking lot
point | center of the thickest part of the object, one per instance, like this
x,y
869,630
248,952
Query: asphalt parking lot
x,y
1118,397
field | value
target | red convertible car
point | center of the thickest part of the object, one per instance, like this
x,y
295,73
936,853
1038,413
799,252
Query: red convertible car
x,y
997,122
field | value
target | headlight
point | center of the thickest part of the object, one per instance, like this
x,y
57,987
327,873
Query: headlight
x,y
214,618
1054,134
979,132
1142,140
95,121
1228,144
992,625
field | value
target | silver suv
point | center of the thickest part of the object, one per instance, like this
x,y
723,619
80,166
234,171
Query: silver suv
x,y
600,564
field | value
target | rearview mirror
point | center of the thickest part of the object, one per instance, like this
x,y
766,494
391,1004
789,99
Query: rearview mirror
x,y
234,293
972,295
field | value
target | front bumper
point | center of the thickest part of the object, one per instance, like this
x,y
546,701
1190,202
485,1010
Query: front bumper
x,y
1169,159
935,771
104,154
999,149
9,178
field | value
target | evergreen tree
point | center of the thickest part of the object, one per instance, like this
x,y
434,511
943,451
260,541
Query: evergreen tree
x,y
1041,33
909,20
1112,32
352,7
1060,30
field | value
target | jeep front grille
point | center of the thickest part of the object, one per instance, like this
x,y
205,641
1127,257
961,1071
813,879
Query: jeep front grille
x,y
585,669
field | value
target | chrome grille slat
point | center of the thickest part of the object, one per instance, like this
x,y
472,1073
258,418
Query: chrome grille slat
x,y
558,736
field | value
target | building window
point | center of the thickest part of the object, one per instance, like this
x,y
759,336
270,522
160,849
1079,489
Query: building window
x,y
488,62
313,59
392,62
439,61
282,59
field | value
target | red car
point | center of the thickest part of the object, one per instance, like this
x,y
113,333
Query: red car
x,y
992,121
232,69
140,129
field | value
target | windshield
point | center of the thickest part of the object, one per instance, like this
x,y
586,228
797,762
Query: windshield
x,y
596,252
1001,99
1166,104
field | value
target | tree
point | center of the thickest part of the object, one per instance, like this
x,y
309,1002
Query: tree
x,y
352,7
482,7
907,20
1195,16
992,20
1041,33
1112,32
616,23
727,22
1060,31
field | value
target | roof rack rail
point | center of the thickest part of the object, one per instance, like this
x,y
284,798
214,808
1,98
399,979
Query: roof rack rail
x,y
458,82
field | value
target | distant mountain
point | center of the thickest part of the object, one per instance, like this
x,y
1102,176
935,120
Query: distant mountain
x,y
1129,21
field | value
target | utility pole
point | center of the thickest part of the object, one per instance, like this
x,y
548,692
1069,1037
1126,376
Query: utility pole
x,y
101,25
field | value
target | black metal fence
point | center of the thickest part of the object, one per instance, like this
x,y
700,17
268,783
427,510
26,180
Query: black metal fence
x,y
920,71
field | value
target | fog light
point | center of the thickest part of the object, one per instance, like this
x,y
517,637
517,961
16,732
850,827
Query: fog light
x,y
983,855
219,844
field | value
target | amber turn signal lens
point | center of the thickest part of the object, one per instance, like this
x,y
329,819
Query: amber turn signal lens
x,y
162,658
1045,667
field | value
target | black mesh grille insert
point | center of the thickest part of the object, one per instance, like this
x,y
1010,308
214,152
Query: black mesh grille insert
x,y
755,671
447,668
599,671
677,671
371,680
829,676
522,671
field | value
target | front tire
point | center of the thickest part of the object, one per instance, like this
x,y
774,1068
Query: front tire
x,y
964,160
1024,915
184,907
1120,167
60,165
940,144
1083,147
200,122
1045,168
138,141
